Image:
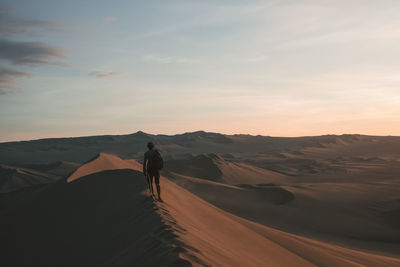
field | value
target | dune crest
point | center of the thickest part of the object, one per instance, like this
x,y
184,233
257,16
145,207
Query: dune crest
x,y
102,162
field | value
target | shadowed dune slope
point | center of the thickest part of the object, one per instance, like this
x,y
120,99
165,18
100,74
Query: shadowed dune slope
x,y
201,166
240,196
15,178
215,168
242,173
100,220
60,168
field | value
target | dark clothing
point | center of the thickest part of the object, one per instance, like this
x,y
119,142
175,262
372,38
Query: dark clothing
x,y
151,172
148,158
154,174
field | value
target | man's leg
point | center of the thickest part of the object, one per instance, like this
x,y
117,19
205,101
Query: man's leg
x,y
157,181
150,182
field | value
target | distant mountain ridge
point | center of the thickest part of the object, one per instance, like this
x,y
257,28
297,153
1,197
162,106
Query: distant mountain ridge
x,y
79,149
187,135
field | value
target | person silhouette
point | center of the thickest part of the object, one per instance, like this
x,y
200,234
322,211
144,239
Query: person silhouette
x,y
151,168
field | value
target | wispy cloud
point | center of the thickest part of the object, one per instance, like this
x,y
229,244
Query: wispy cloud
x,y
23,52
29,53
7,76
10,26
101,75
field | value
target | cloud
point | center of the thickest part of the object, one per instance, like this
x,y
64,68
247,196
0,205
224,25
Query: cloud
x,y
100,75
10,25
7,76
29,53
22,52
109,19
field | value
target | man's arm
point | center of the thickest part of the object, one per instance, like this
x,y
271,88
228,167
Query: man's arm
x,y
144,164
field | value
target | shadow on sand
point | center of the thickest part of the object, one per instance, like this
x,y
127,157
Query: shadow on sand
x,y
102,219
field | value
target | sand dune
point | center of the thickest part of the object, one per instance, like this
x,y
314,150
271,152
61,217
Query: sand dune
x,y
239,173
347,214
103,162
222,239
230,200
215,168
217,239
59,168
103,219
15,178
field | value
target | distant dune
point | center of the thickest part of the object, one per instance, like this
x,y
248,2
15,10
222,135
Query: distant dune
x,y
229,200
14,178
59,168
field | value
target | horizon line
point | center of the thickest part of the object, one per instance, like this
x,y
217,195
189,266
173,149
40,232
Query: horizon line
x,y
192,132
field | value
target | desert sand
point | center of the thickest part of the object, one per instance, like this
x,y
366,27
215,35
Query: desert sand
x,y
229,200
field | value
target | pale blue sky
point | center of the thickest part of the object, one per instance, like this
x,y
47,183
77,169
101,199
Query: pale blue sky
x,y
281,68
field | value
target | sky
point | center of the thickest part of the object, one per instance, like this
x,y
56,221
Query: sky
x,y
277,68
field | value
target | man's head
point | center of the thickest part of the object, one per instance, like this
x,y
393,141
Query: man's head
x,y
150,145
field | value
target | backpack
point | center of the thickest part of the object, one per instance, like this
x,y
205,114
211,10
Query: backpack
x,y
157,162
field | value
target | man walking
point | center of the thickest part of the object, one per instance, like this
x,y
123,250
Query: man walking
x,y
152,164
